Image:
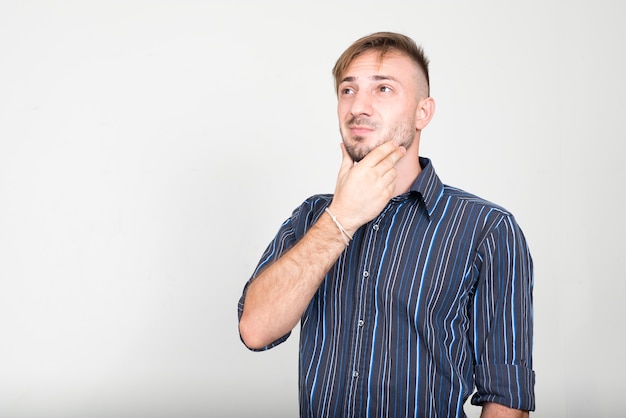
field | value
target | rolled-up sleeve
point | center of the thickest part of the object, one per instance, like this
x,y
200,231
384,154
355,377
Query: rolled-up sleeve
x,y
502,319
283,240
292,230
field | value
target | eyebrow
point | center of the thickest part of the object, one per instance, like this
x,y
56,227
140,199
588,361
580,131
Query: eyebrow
x,y
373,78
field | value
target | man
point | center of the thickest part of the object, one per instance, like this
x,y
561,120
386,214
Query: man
x,y
410,294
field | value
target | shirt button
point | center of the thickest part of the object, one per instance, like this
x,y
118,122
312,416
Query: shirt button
x,y
375,227
355,374
366,274
361,322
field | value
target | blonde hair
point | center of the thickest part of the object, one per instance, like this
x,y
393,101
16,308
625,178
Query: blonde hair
x,y
383,42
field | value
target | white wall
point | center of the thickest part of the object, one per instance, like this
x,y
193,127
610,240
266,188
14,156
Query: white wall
x,y
149,151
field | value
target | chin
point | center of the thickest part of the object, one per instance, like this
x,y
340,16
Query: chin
x,y
358,152
359,146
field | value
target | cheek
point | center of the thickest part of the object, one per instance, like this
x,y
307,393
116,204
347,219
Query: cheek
x,y
342,111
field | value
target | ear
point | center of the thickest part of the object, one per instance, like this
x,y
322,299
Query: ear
x,y
425,112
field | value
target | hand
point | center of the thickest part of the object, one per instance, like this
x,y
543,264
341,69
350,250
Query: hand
x,y
364,189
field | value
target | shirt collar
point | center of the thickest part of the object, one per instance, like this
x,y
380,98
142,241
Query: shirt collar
x,y
428,185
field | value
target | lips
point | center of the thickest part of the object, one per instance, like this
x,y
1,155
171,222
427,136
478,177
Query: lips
x,y
360,130
360,126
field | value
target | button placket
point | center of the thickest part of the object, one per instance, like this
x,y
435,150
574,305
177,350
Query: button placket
x,y
365,302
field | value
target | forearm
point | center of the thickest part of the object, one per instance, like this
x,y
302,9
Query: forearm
x,y
494,410
277,298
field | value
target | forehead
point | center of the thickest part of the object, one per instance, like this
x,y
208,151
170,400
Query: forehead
x,y
372,64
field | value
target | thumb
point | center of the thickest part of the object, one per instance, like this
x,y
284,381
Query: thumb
x,y
346,161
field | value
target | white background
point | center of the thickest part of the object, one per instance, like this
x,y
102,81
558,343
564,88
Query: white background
x,y
150,150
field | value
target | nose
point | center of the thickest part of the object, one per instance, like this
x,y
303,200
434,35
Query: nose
x,y
361,104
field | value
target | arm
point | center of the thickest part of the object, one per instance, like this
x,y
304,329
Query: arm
x,y
494,410
502,319
277,297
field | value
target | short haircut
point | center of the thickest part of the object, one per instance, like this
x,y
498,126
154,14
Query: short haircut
x,y
383,42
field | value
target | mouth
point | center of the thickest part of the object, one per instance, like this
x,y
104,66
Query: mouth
x,y
359,130
358,126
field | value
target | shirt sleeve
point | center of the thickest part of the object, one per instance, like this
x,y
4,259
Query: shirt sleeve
x,y
289,233
281,243
502,319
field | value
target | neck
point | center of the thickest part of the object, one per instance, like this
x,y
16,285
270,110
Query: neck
x,y
408,168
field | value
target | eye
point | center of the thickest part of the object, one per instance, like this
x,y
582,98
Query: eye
x,y
346,90
385,89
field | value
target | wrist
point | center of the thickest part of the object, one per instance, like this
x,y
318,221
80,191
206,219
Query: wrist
x,y
348,220
345,235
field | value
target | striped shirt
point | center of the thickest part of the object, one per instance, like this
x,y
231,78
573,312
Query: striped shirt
x,y
430,302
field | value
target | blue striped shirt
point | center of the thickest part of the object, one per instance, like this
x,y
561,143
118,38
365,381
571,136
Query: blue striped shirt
x,y
431,302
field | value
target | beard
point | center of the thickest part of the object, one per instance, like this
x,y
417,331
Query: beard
x,y
403,133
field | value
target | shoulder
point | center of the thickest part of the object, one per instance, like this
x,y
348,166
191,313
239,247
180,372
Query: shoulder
x,y
313,204
494,226
463,197
486,214
309,211
317,200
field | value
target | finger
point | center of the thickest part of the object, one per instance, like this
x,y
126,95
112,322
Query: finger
x,y
389,177
379,153
389,162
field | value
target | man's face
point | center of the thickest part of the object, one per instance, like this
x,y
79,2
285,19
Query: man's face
x,y
377,102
